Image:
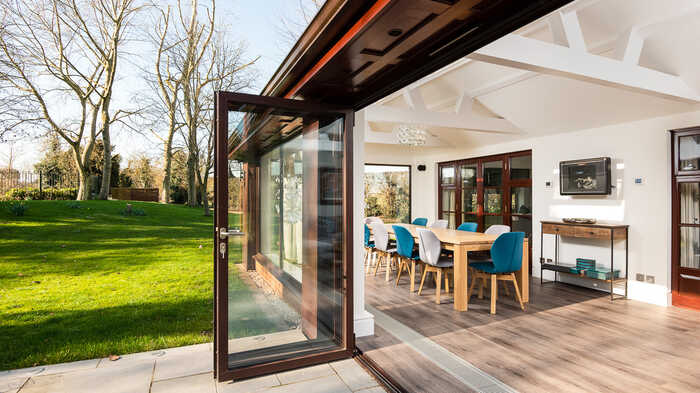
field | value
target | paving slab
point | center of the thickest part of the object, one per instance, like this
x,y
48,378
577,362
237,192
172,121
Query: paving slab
x,y
182,365
12,385
354,375
329,384
253,385
202,383
133,378
306,373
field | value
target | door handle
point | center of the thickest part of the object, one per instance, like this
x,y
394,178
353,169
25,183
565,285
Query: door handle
x,y
689,277
224,233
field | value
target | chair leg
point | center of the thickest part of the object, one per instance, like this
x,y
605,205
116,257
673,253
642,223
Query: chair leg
x,y
402,263
505,286
482,285
517,291
388,268
438,286
422,281
379,262
447,282
471,288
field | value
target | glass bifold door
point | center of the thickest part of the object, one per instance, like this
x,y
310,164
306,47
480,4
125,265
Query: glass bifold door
x,y
283,251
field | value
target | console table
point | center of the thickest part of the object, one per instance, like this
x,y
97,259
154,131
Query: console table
x,y
590,231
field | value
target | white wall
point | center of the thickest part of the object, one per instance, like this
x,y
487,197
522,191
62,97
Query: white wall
x,y
638,149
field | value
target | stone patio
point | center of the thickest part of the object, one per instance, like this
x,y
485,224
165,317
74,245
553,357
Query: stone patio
x,y
180,370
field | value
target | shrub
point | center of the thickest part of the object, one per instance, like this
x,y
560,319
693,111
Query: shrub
x,y
51,194
129,210
17,208
178,194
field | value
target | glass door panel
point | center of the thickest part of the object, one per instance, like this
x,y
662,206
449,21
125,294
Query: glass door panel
x,y
689,194
690,203
448,206
283,304
688,153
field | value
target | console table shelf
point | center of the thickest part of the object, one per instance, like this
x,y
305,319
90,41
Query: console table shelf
x,y
588,231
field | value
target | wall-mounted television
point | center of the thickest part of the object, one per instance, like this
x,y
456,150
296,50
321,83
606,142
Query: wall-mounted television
x,y
585,177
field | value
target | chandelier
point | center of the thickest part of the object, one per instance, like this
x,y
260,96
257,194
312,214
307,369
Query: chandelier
x,y
411,135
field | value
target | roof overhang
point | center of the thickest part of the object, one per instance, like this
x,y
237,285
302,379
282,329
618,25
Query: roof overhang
x,y
356,52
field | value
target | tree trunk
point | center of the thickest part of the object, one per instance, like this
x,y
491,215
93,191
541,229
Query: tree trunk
x,y
106,164
205,198
191,180
168,155
165,191
84,185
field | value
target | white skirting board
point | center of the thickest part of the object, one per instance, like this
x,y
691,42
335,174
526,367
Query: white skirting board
x,y
636,290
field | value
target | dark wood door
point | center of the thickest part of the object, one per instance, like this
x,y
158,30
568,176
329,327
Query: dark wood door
x,y
685,268
295,160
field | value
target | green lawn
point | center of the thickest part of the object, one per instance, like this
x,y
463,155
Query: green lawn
x,y
81,283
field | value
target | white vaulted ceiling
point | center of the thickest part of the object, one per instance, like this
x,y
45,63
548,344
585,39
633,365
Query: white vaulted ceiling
x,y
592,63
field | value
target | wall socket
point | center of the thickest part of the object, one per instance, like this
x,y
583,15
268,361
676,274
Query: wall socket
x,y
640,277
650,279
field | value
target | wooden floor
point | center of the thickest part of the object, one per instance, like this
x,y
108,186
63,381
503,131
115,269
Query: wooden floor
x,y
570,339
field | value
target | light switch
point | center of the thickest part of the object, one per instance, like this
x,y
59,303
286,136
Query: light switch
x,y
638,181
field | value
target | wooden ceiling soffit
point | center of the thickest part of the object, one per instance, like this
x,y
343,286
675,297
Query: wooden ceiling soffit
x,y
385,45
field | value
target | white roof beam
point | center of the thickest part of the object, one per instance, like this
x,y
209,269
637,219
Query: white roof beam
x,y
414,98
382,113
566,30
529,54
629,47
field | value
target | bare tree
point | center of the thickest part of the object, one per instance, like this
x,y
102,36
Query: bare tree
x,y
60,58
167,83
290,27
229,71
112,21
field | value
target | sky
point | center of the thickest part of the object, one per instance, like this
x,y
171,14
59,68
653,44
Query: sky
x,y
254,21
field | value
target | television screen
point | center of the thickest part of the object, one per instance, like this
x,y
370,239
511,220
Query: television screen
x,y
585,177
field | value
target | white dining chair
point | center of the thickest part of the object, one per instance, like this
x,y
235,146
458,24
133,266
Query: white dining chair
x,y
430,252
381,247
439,224
497,229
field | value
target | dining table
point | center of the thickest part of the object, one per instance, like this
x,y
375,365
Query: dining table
x,y
461,243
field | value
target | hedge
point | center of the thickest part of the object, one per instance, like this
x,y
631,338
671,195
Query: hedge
x,y
49,194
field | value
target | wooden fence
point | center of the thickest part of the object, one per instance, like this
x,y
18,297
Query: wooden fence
x,y
135,194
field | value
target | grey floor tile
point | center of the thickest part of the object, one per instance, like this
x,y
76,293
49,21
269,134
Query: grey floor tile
x,y
306,373
51,369
354,375
203,383
12,385
127,379
182,365
329,384
259,384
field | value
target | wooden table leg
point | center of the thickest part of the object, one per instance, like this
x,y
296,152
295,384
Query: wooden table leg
x,y
461,279
412,275
523,276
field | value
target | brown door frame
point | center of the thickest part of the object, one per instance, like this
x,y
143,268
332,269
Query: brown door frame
x,y
506,185
224,101
677,178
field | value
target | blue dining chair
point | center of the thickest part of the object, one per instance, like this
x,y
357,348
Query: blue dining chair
x,y
467,226
406,253
506,259
369,247
420,221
